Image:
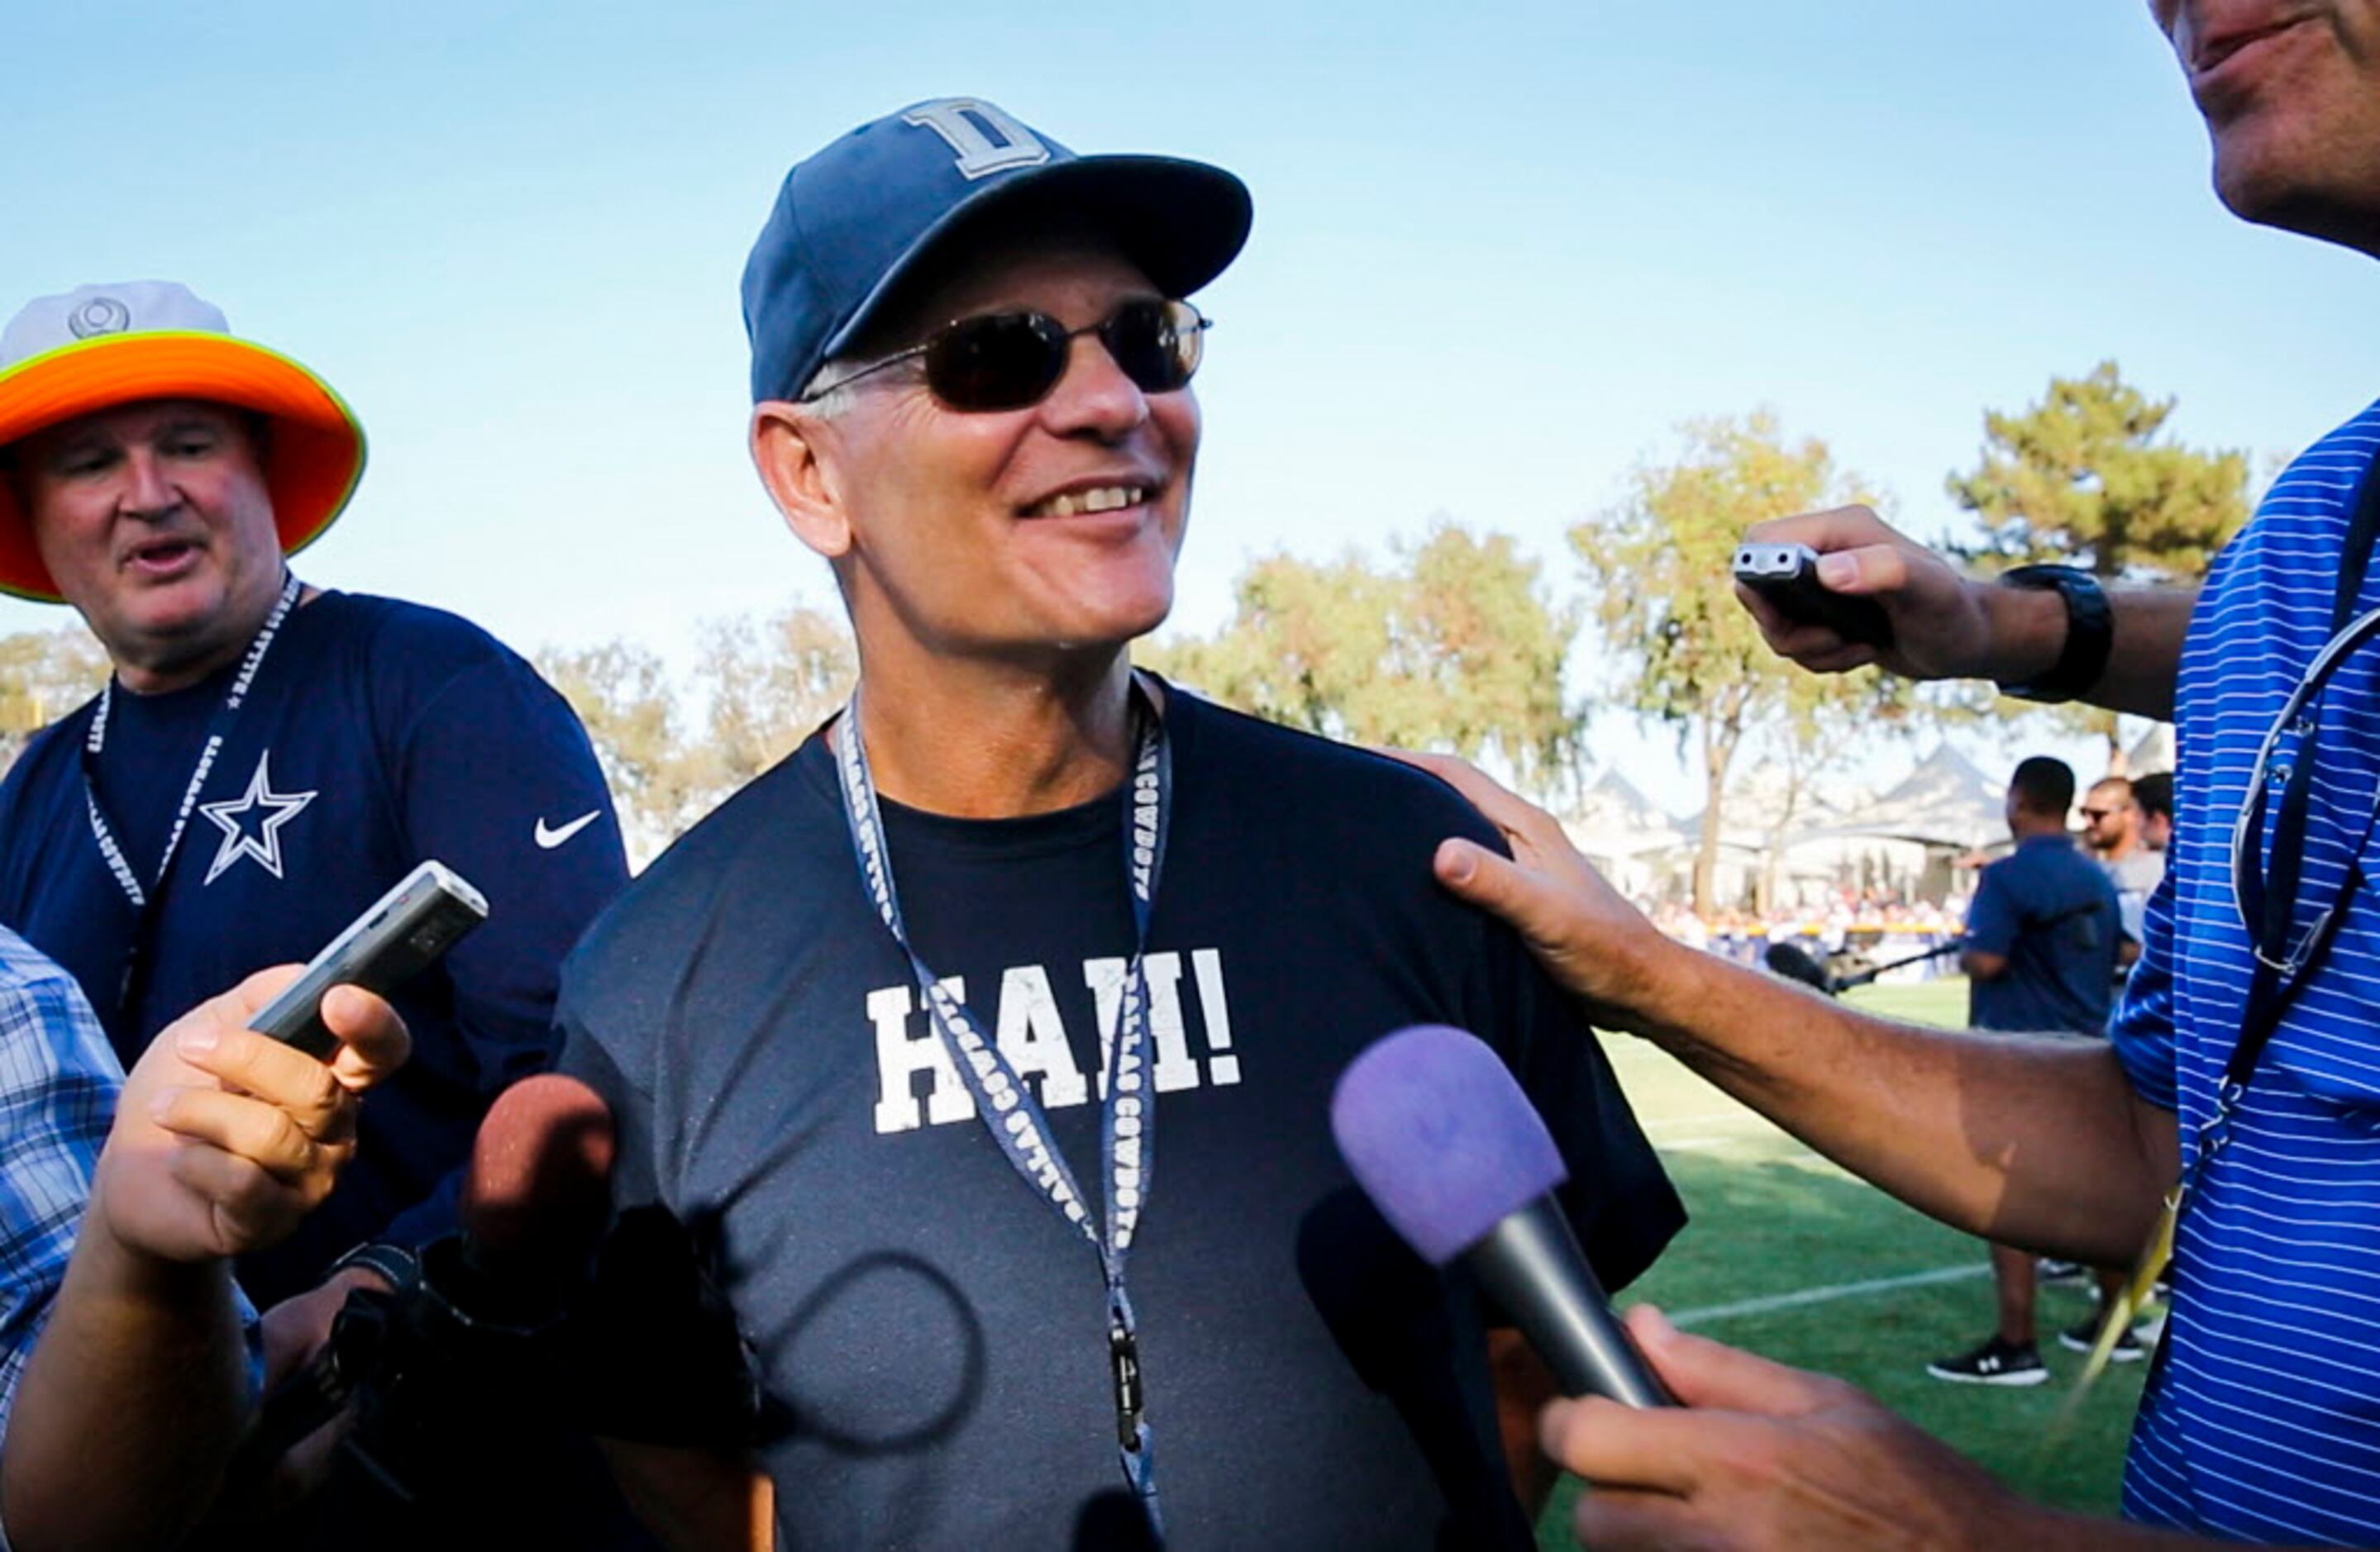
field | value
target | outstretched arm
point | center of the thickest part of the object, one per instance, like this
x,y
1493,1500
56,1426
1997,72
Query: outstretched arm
x,y
138,1386
1949,625
2033,1141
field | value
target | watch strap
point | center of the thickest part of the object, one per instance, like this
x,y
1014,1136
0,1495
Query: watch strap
x,y
2090,632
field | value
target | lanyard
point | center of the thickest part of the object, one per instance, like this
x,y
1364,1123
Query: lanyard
x,y
1008,1108
145,900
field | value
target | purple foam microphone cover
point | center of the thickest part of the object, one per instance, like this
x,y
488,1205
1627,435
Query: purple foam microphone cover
x,y
1441,1138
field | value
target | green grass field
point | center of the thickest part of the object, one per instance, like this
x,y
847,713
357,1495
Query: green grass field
x,y
1771,1219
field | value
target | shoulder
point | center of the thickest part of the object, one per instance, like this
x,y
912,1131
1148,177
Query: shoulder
x,y
779,831
409,637
47,1028
422,672
1298,780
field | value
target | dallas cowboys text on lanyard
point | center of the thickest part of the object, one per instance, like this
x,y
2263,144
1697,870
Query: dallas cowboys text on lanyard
x,y
1007,1106
144,899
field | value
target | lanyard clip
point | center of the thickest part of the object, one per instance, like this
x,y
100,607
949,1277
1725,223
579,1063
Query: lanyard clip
x,y
1123,1365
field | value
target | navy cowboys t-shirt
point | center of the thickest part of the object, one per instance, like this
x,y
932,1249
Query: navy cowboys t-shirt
x,y
377,734
930,1334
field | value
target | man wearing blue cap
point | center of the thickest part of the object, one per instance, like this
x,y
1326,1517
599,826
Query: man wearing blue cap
x,y
988,1041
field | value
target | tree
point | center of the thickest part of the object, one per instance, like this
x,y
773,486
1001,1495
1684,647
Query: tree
x,y
763,684
1659,564
623,693
44,675
770,682
1453,647
2085,477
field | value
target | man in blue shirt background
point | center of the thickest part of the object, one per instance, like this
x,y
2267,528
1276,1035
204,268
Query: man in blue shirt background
x,y
2040,956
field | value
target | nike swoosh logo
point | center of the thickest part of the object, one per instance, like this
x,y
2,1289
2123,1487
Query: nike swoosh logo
x,y
549,838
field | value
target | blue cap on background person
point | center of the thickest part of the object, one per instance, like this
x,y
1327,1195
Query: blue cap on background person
x,y
857,218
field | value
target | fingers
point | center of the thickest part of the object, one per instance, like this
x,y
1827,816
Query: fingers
x,y
247,1207
1498,885
1612,1520
1830,529
1614,1446
1481,790
274,1076
264,1135
373,1041
1702,1373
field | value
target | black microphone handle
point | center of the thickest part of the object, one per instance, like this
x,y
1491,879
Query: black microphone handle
x,y
1532,1265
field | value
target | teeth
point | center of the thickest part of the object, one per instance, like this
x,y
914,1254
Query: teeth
x,y
1107,498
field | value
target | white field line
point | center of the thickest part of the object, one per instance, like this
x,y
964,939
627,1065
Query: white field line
x,y
1826,1295
1654,1127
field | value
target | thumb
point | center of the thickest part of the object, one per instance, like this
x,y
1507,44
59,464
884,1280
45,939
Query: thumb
x,y
1871,568
1702,1373
1497,884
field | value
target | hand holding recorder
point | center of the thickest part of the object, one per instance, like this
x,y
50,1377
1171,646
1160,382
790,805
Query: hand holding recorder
x,y
1871,595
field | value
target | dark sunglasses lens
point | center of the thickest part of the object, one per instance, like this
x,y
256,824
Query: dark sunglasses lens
x,y
1155,344
1001,360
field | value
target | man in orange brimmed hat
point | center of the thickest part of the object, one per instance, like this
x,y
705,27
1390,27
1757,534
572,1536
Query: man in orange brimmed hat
x,y
268,759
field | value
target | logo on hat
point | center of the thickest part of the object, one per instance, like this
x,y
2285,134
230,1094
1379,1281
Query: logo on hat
x,y
99,315
962,121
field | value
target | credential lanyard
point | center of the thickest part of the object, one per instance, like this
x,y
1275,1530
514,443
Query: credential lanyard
x,y
1009,1110
146,899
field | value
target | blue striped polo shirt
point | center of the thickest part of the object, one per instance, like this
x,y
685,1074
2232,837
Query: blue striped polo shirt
x,y
2262,1420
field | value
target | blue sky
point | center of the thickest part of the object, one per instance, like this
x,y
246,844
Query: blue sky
x,y
1500,252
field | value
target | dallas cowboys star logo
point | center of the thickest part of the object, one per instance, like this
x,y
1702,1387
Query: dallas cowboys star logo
x,y
233,815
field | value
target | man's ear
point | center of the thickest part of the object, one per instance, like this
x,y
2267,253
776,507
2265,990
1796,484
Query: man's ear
x,y
794,450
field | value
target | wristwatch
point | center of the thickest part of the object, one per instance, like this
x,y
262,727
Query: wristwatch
x,y
2089,632
396,1265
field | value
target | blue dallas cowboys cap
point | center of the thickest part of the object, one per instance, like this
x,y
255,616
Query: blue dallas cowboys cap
x,y
851,221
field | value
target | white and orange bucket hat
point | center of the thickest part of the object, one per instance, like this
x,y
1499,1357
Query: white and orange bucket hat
x,y
98,346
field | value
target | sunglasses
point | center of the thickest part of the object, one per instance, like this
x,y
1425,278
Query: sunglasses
x,y
1008,361
2095,815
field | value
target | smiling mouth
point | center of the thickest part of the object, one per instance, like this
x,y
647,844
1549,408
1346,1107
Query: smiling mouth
x,y
1078,503
2214,52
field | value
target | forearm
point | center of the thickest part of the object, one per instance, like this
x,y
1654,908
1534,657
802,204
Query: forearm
x,y
2033,1141
130,1405
2028,629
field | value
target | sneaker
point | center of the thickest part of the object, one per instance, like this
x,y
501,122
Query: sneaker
x,y
2084,1335
2062,1271
1995,1363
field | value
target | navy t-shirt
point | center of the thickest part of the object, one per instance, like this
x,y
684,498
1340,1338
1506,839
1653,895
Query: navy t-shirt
x,y
931,1334
377,734
2052,914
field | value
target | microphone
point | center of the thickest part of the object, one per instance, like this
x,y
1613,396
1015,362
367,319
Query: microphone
x,y
1446,1146
1795,965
